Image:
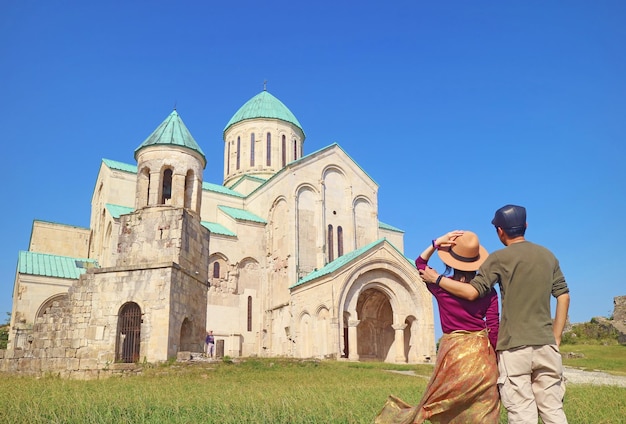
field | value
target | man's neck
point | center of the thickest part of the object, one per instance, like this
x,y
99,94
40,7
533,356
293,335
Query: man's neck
x,y
510,241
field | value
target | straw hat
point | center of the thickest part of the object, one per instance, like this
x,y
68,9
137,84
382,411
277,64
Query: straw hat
x,y
466,255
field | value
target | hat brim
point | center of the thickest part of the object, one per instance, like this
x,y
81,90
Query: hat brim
x,y
448,259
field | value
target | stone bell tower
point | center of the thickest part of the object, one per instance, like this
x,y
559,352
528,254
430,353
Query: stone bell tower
x,y
164,248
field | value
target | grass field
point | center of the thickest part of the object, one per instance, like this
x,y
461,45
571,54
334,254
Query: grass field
x,y
260,391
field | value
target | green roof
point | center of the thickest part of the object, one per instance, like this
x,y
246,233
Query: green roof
x,y
345,259
241,214
220,189
263,105
337,263
216,228
172,132
119,166
116,210
53,265
248,177
388,227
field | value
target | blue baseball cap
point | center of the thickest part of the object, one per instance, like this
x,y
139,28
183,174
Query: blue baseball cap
x,y
510,217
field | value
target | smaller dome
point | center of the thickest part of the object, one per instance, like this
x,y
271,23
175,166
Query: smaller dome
x,y
172,131
263,105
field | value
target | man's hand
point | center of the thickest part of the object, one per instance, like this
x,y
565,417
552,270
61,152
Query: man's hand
x,y
429,275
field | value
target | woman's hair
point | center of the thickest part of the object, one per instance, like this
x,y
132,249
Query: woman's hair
x,y
458,275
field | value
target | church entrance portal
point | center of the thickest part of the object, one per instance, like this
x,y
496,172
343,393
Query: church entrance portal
x,y
375,334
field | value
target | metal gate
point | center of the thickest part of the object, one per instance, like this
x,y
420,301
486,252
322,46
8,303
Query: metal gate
x,y
128,333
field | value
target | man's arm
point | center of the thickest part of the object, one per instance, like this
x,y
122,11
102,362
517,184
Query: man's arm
x,y
462,290
562,308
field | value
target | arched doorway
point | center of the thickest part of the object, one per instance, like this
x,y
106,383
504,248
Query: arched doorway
x,y
128,333
375,334
188,342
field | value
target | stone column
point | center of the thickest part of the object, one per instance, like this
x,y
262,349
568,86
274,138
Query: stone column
x,y
352,340
399,343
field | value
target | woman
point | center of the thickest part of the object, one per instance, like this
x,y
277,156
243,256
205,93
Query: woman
x,y
463,387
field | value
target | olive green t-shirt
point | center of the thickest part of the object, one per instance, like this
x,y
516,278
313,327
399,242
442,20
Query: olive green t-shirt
x,y
527,274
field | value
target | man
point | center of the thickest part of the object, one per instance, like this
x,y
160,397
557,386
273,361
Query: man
x,y
210,344
529,362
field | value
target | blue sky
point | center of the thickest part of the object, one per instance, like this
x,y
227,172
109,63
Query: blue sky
x,y
454,108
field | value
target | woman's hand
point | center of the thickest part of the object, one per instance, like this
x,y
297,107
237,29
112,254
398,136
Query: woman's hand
x,y
428,275
448,239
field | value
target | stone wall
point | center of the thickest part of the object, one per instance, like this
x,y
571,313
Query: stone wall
x,y
619,317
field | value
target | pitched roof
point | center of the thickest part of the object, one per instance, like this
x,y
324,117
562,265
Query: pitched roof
x,y
263,105
116,210
389,227
119,166
241,214
337,263
220,189
33,263
173,132
216,228
344,260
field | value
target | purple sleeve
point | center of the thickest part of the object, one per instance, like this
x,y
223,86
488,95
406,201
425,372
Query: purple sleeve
x,y
492,318
421,263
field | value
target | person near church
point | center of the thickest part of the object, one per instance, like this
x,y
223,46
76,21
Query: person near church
x,y
530,366
463,385
209,342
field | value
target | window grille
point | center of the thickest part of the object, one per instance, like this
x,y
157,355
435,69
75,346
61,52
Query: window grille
x,y
128,333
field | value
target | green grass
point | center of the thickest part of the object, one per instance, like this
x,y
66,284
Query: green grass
x,y
252,391
611,359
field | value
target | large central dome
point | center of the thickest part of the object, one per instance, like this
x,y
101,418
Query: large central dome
x,y
263,105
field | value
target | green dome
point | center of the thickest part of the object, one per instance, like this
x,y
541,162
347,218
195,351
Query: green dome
x,y
264,105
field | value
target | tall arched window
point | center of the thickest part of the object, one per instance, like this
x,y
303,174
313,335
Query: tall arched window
x,y
148,196
249,313
284,152
189,186
238,152
268,150
331,254
228,160
295,150
216,269
339,241
252,149
166,189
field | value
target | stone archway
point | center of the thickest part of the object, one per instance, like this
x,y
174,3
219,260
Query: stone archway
x,y
375,334
128,333
187,340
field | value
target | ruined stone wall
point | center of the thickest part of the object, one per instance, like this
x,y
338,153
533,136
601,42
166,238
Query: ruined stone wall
x,y
619,317
58,341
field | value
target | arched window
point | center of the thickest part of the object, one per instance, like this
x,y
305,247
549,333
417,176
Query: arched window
x,y
216,269
249,313
268,148
128,333
189,185
238,152
284,151
331,254
295,150
148,196
228,160
339,241
252,149
167,187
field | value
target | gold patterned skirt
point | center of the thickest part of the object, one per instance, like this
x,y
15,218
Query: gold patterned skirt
x,y
462,388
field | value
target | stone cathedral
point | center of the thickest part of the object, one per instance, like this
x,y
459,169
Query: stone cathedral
x,y
286,257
